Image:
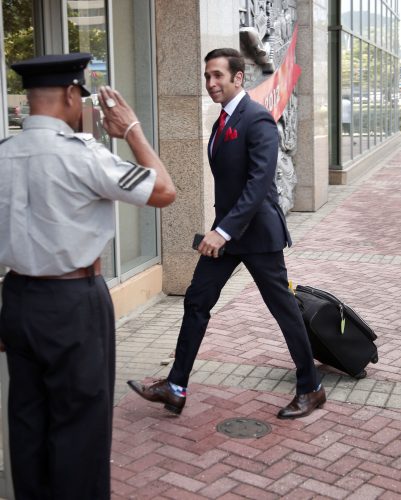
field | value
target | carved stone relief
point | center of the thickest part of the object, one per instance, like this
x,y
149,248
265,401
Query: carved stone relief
x,y
265,30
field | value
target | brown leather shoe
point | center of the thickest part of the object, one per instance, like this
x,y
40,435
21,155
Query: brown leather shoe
x,y
159,392
303,404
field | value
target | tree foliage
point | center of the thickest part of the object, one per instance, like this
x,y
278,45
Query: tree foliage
x,y
96,41
19,41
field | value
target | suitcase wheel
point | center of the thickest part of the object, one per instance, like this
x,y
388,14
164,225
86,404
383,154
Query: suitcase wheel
x,y
361,374
375,358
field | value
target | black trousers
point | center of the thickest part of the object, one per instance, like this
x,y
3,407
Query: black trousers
x,y
60,345
270,275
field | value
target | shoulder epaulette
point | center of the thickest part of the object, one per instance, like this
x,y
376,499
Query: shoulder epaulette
x,y
85,138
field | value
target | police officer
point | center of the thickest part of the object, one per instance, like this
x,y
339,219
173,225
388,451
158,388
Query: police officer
x,y
57,325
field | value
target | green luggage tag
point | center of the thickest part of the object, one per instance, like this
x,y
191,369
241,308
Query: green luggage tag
x,y
342,326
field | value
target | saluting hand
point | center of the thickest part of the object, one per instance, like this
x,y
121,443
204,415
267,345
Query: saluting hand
x,y
118,115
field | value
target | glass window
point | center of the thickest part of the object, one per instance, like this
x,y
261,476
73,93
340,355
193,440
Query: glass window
x,y
132,42
19,44
365,18
356,19
346,13
384,95
346,107
334,93
379,96
379,23
372,96
389,95
136,245
372,21
87,32
398,96
384,33
356,97
365,62
394,94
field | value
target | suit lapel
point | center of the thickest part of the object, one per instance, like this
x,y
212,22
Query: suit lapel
x,y
231,122
210,139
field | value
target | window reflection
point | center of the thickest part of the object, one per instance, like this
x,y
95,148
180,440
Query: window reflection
x,y
372,21
356,97
379,23
346,13
87,32
370,75
356,19
385,27
132,41
346,107
379,100
384,95
19,44
365,95
365,18
372,96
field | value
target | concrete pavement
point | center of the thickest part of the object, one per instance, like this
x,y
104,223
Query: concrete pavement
x,y
349,449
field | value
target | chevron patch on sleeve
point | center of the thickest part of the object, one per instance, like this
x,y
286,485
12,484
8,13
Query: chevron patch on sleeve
x,y
133,177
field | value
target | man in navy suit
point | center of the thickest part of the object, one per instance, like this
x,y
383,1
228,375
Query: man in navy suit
x,y
250,225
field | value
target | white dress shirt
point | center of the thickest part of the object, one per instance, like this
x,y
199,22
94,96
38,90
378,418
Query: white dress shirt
x,y
229,108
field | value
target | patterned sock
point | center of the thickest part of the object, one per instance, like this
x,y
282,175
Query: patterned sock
x,y
178,390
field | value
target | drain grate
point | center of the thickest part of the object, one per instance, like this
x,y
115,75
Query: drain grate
x,y
243,428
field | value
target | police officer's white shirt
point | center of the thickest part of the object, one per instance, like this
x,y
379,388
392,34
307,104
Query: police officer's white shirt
x,y
56,192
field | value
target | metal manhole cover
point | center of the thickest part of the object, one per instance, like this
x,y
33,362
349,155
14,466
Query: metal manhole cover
x,y
243,428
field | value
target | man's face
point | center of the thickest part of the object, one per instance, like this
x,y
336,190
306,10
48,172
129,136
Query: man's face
x,y
220,84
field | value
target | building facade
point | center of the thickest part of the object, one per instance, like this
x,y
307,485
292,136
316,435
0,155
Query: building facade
x,y
364,82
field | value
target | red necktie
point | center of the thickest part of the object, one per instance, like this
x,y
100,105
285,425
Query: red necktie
x,y
222,123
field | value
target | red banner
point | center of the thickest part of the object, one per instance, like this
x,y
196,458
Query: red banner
x,y
275,92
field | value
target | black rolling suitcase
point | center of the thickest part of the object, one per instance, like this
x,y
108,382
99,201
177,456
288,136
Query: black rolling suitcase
x,y
338,336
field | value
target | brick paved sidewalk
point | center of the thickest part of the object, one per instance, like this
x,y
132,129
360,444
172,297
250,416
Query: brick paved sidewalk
x,y
349,449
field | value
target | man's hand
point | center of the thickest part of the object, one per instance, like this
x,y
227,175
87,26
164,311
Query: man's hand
x,y
119,117
211,244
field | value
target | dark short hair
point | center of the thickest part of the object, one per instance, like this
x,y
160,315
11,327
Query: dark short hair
x,y
235,60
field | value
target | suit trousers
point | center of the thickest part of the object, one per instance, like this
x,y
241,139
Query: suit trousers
x,y
60,345
270,275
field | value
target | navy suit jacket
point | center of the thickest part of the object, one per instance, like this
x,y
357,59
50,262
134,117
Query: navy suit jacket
x,y
246,198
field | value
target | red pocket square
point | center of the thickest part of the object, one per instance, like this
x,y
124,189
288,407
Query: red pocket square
x,y
230,134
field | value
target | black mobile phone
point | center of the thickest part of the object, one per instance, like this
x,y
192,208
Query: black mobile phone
x,y
197,240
